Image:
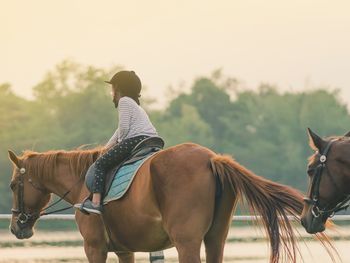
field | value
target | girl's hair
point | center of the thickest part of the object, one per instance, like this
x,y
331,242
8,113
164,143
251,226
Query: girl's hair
x,y
128,84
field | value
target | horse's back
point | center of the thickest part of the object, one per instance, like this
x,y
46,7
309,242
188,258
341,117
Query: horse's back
x,y
180,166
186,156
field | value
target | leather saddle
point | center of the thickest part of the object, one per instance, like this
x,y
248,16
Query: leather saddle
x,y
142,149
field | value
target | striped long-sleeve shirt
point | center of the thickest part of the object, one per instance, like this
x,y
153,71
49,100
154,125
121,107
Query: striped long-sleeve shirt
x,y
133,121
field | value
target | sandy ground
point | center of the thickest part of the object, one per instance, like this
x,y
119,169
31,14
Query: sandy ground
x,y
242,252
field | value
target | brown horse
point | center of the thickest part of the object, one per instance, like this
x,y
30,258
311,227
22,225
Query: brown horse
x,y
180,197
329,174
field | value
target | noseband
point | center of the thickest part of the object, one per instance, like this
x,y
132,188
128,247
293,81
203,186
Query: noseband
x,y
315,188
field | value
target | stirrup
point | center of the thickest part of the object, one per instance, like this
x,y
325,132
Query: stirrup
x,y
81,209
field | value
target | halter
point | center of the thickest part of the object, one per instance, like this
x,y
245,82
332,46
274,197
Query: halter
x,y
24,218
315,188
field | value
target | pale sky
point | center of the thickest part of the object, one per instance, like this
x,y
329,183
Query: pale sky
x,y
294,44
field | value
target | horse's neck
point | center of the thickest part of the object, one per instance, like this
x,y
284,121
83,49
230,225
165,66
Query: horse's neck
x,y
63,181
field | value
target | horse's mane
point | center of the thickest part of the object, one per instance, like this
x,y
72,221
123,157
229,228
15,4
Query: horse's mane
x,y
44,164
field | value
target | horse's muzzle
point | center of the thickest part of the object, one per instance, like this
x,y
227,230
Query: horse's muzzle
x,y
311,223
22,233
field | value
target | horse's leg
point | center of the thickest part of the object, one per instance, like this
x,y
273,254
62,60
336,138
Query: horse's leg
x,y
215,238
187,229
95,242
126,257
188,250
95,252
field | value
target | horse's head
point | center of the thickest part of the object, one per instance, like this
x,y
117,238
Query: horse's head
x,y
29,197
329,177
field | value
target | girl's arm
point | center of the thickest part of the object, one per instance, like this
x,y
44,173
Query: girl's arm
x,y
125,110
113,139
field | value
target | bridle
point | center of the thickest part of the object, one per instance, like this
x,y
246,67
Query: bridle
x,y
313,199
24,218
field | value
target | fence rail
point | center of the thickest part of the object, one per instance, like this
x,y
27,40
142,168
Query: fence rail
x,y
234,218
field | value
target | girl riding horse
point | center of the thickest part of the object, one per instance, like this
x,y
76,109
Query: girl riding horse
x,y
134,126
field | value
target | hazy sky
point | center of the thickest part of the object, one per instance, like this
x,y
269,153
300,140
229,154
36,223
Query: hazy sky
x,y
293,44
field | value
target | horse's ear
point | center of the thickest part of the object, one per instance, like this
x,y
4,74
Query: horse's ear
x,y
347,134
315,141
13,157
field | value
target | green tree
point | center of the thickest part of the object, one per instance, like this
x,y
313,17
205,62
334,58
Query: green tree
x,y
212,103
77,102
188,126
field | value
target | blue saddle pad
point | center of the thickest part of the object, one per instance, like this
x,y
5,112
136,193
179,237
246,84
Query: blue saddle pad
x,y
123,179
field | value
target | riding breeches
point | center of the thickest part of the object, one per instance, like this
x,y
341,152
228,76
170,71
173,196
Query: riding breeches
x,y
115,155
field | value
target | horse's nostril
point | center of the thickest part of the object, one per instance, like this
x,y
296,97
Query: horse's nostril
x,y
21,235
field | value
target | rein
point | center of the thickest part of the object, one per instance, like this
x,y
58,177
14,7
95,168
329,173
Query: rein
x,y
24,218
315,188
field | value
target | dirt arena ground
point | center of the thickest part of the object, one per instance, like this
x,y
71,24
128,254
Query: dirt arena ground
x,y
246,246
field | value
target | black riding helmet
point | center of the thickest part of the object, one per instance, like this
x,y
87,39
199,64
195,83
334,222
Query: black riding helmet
x,y
127,83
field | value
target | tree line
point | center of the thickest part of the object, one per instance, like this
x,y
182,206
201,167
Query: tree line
x,y
264,129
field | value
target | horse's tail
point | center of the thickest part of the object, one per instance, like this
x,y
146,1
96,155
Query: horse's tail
x,y
273,202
